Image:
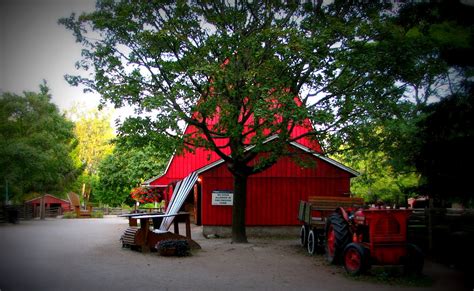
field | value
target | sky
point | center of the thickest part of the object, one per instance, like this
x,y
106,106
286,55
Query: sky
x,y
34,47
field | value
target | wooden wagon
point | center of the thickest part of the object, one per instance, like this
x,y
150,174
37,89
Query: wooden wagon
x,y
314,213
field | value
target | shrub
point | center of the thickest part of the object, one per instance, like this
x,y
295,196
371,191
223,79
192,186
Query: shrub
x,y
69,214
97,214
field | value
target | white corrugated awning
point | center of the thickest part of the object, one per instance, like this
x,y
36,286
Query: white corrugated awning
x,y
180,193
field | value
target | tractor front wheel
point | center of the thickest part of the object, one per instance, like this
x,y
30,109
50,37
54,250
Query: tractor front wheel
x,y
337,237
356,259
304,236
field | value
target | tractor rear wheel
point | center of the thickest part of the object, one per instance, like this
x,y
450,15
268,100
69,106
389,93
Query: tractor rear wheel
x,y
356,259
304,236
337,237
414,260
312,242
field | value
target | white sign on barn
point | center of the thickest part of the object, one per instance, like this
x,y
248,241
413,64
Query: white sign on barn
x,y
222,198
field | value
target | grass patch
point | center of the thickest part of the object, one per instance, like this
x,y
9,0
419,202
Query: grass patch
x,y
69,214
385,275
392,276
97,214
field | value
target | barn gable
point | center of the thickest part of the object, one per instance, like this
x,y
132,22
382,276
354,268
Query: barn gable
x,y
273,195
179,166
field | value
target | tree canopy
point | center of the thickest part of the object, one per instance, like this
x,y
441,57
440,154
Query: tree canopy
x,y
35,144
446,140
242,71
94,136
126,168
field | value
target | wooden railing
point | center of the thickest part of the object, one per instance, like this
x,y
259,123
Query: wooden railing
x,y
8,213
433,228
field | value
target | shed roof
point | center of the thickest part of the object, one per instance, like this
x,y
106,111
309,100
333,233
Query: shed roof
x,y
47,195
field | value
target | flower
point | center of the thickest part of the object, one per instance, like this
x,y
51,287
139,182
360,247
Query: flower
x,y
146,195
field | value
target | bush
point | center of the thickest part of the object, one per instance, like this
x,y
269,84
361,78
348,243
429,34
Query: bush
x,y
152,205
69,214
126,207
97,214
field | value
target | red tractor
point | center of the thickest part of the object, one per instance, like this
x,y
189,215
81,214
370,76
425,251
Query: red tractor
x,y
358,237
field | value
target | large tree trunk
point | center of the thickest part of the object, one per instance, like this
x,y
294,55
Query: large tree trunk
x,y
238,209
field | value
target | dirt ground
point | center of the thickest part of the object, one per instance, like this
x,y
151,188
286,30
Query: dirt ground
x,y
85,254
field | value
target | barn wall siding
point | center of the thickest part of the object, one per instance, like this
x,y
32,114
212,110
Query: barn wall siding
x,y
273,195
269,201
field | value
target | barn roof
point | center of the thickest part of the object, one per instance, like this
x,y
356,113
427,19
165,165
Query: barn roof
x,y
202,157
180,165
296,145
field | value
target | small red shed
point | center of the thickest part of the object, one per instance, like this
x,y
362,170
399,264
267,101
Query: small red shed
x,y
50,202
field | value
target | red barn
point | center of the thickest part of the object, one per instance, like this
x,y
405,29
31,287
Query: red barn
x,y
50,202
272,196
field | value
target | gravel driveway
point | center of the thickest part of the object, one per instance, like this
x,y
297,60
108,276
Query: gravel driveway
x,y
85,254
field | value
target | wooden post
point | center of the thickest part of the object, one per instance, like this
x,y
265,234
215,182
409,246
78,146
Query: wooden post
x,y
188,227
145,228
42,208
429,215
176,226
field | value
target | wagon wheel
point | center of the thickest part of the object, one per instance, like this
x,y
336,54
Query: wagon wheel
x,y
337,237
311,242
304,236
414,260
356,259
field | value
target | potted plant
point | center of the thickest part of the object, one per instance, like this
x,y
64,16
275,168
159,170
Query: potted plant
x,y
168,248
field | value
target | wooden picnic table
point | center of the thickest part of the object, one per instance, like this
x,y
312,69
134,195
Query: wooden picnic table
x,y
132,217
149,236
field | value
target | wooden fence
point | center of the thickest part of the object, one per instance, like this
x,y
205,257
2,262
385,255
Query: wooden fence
x,y
119,210
110,210
26,211
10,213
444,233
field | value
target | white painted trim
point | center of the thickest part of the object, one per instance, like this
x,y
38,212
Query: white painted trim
x,y
297,145
326,159
147,182
209,166
268,139
155,186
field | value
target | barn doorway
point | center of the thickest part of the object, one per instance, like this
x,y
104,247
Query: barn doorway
x,y
197,203
192,204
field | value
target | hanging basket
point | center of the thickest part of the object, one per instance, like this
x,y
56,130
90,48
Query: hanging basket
x,y
146,195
